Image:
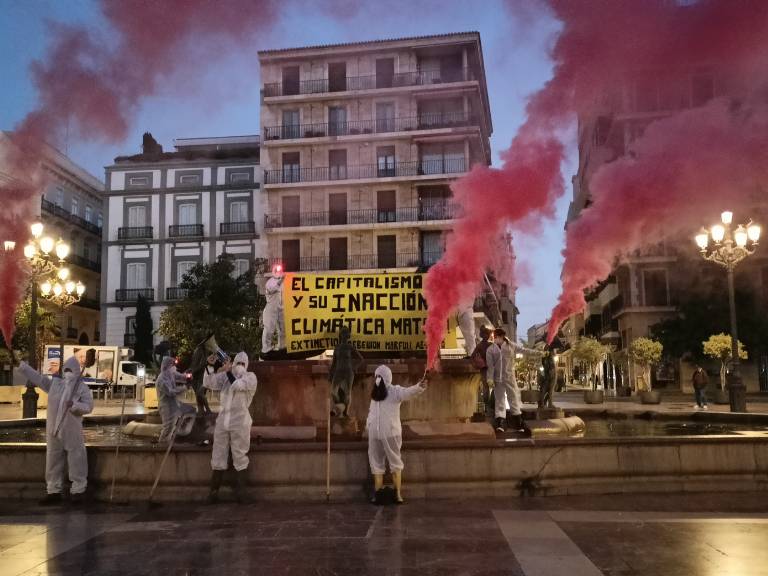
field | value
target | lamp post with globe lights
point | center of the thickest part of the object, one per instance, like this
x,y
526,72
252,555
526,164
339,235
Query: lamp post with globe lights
x,y
44,257
727,246
62,291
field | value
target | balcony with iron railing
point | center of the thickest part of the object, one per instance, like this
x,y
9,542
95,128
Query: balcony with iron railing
x,y
84,262
359,261
425,213
293,174
368,82
428,121
59,211
175,293
134,233
232,228
132,294
185,231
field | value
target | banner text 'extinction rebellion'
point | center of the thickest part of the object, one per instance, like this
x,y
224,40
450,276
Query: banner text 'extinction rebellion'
x,y
384,312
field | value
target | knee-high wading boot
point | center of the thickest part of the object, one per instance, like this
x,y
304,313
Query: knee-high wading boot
x,y
378,484
213,494
241,483
397,478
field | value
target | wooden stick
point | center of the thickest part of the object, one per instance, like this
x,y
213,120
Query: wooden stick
x,y
117,447
162,464
328,448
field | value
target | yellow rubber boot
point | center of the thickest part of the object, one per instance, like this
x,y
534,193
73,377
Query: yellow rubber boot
x,y
378,484
397,478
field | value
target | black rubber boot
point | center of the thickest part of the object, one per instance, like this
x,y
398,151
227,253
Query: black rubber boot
x,y
499,425
241,483
213,494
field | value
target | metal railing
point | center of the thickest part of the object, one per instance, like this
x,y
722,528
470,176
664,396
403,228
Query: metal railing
x,y
175,293
226,228
59,211
428,212
427,121
132,294
369,82
84,262
134,232
291,174
185,230
359,261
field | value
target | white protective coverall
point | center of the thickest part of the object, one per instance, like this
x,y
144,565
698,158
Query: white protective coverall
x,y
501,371
170,385
465,318
272,317
385,433
69,444
233,424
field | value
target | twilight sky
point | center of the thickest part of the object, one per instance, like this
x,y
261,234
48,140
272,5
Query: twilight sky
x,y
220,97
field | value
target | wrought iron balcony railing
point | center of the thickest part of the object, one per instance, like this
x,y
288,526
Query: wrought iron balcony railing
x,y
430,121
369,82
134,233
359,261
59,211
132,294
291,174
84,262
227,228
185,230
175,293
428,212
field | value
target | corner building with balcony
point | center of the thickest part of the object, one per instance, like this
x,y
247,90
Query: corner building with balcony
x,y
360,143
168,211
71,209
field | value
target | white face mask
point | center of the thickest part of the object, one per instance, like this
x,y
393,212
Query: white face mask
x,y
238,371
69,377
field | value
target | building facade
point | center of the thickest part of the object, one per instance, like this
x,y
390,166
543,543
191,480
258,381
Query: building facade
x,y
71,209
649,285
166,212
360,144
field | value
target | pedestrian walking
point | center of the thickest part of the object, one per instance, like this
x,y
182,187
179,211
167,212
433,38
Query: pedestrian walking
x,y
385,436
700,380
69,398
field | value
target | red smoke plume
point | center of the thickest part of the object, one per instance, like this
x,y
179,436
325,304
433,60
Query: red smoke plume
x,y
688,166
602,46
92,84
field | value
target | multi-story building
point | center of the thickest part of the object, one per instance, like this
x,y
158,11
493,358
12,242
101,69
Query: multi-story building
x,y
71,209
650,284
166,212
360,144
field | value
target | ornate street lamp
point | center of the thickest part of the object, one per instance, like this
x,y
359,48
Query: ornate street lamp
x,y
728,247
45,257
62,292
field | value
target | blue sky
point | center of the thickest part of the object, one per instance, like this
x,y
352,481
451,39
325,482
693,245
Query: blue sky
x,y
227,101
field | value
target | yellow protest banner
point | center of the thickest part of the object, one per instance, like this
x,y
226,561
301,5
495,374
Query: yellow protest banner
x,y
384,312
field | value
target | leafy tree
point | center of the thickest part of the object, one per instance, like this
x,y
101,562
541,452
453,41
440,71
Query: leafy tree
x,y
217,302
527,366
591,352
645,352
47,328
718,346
142,351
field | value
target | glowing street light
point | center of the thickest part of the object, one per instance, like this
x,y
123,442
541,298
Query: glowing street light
x,y
730,248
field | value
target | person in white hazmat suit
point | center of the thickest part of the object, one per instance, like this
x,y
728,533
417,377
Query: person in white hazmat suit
x,y
500,360
233,423
385,435
272,316
69,398
465,318
169,386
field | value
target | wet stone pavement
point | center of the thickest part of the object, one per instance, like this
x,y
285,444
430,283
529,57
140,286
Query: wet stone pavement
x,y
671,535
